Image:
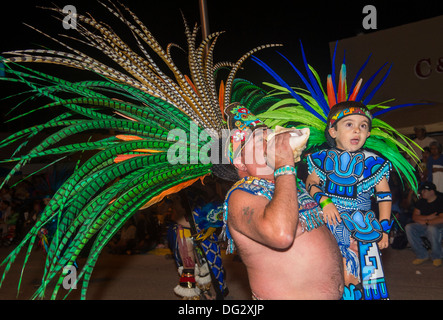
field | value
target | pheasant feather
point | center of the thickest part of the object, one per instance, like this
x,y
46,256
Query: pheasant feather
x,y
135,98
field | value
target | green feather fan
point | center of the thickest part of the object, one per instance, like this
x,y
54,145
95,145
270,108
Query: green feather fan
x,y
142,161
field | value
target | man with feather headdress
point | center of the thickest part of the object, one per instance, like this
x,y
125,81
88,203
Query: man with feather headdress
x,y
130,170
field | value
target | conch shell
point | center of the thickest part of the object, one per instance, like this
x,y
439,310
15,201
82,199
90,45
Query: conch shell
x,y
297,141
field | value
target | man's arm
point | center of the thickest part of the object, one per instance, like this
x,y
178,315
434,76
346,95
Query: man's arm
x,y
417,217
272,223
434,219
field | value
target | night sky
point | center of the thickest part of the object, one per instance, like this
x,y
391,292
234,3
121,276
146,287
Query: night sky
x,y
247,24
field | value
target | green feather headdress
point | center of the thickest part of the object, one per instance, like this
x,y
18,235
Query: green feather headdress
x,y
309,107
132,169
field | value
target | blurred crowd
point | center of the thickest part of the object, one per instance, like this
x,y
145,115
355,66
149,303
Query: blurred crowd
x,y
20,207
22,204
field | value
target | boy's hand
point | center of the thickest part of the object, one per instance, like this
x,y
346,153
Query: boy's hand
x,y
330,214
383,243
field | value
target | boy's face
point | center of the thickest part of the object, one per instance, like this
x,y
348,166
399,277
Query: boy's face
x,y
351,132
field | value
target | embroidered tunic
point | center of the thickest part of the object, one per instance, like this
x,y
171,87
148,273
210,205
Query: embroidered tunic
x,y
310,214
349,180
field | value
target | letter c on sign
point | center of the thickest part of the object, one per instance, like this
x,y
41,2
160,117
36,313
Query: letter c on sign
x,y
423,68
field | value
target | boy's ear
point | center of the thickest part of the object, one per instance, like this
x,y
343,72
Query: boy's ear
x,y
332,132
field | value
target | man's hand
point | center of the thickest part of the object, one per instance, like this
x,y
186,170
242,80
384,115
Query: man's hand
x,y
426,219
297,140
279,152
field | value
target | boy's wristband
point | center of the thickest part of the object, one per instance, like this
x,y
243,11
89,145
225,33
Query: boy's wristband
x,y
325,202
386,225
317,196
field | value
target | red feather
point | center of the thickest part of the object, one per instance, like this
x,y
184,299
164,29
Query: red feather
x,y
356,90
331,93
221,98
341,95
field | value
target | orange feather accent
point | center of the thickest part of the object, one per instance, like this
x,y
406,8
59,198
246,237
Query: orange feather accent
x,y
124,157
172,190
221,98
127,137
356,90
331,94
125,116
191,84
148,150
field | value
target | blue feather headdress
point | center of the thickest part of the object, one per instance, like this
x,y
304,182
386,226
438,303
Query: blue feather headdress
x,y
310,106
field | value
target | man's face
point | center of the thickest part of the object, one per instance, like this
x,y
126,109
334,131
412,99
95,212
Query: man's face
x,y
46,201
434,150
351,132
254,158
419,133
426,194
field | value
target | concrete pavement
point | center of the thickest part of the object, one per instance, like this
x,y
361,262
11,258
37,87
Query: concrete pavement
x,y
153,276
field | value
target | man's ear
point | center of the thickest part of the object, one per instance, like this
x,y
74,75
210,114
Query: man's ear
x,y
332,132
239,164
369,133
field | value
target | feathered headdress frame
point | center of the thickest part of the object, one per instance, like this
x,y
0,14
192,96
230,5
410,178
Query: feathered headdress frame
x,y
129,170
196,92
310,107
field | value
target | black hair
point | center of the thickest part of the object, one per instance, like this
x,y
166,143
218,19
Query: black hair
x,y
336,109
222,168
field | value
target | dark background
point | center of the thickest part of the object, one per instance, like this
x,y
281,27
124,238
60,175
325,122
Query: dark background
x,y
247,24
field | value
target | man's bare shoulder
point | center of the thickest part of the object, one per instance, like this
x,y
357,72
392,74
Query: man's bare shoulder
x,y
244,207
240,199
